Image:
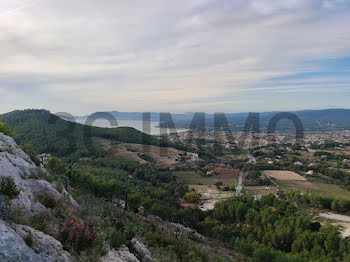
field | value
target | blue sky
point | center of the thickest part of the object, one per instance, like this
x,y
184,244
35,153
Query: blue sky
x,y
174,56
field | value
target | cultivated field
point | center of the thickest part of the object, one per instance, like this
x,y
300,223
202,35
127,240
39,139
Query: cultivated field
x,y
164,156
283,175
193,178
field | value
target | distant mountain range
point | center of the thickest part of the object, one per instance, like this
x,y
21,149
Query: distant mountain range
x,y
327,119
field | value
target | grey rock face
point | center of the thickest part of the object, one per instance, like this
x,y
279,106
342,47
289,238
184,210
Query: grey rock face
x,y
121,255
16,164
14,249
142,250
47,248
179,230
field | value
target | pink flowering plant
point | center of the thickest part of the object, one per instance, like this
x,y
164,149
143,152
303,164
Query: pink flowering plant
x,y
76,235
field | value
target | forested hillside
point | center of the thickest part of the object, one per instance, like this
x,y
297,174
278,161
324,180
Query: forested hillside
x,y
48,133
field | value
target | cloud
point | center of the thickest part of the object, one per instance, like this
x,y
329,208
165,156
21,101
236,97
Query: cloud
x,y
164,55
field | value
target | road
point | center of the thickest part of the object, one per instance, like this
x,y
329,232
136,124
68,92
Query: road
x,y
240,179
239,185
251,158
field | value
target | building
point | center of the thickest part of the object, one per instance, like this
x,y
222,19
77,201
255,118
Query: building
x,y
44,158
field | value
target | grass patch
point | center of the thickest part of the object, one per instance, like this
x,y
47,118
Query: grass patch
x,y
316,188
192,178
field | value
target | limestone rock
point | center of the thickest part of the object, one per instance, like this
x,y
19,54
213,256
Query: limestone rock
x,y
16,164
179,230
121,255
142,250
14,249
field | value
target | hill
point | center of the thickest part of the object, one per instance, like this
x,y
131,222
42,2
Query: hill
x,y
49,133
327,119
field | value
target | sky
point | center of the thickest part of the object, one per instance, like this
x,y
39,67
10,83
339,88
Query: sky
x,y
84,56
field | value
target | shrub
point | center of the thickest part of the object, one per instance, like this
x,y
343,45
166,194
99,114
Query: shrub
x,y
38,222
29,240
6,130
56,166
29,150
8,187
118,239
192,197
218,184
77,236
17,214
47,200
146,157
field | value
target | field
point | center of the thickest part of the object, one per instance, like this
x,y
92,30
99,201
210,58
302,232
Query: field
x,y
164,156
317,188
290,181
260,190
282,175
192,178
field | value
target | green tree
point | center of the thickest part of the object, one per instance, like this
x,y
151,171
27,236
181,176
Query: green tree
x,y
192,197
8,187
55,166
6,130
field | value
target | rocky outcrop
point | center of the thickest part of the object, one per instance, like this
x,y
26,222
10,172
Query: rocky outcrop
x,y
142,250
121,255
38,247
44,248
16,164
179,230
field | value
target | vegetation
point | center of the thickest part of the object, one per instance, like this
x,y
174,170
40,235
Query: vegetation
x,y
47,200
48,133
115,193
192,197
29,150
146,157
8,187
6,130
29,240
77,236
270,229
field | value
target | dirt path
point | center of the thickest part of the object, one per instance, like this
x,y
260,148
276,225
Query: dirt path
x,y
335,217
340,220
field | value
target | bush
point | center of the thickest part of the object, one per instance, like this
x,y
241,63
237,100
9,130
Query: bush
x,y
38,222
77,236
6,130
29,150
8,187
118,239
56,166
192,197
29,240
47,200
146,157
